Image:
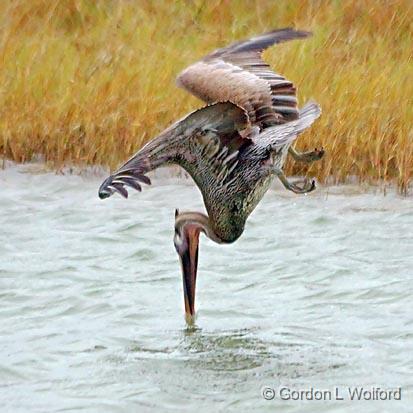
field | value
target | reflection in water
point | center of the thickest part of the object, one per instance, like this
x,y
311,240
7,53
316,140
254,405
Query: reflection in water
x,y
230,350
315,293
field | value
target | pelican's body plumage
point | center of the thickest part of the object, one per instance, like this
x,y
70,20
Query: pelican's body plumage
x,y
232,148
233,183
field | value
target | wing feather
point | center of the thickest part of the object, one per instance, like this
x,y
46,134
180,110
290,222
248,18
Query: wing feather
x,y
238,74
206,144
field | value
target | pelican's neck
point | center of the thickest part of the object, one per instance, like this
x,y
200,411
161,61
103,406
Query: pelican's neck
x,y
198,222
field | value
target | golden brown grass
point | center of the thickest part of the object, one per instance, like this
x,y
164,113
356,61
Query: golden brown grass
x,y
88,82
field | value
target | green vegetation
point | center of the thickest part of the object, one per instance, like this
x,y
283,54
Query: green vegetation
x,y
88,82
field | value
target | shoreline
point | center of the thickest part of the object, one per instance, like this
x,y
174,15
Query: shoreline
x,y
353,185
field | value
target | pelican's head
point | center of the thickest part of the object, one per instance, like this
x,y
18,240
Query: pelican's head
x,y
188,226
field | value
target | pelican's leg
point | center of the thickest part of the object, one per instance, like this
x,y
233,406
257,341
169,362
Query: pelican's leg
x,y
309,156
305,187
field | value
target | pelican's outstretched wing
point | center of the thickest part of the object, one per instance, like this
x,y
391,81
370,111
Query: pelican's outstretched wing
x,y
238,74
205,142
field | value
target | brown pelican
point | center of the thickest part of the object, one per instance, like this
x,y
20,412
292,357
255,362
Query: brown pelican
x,y
232,148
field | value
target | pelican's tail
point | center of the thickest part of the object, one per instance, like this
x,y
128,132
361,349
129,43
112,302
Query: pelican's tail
x,y
283,135
308,114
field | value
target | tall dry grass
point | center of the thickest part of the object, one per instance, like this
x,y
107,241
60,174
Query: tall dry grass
x,y
89,82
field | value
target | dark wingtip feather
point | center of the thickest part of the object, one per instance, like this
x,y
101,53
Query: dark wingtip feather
x,y
132,183
133,173
291,31
120,189
143,179
263,41
104,194
104,190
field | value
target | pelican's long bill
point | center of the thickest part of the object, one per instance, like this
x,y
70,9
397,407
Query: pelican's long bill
x,y
186,244
189,265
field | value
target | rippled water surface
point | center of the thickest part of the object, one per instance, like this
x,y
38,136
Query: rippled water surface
x,y
316,293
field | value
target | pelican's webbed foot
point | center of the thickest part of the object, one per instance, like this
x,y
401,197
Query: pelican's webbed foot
x,y
299,187
308,157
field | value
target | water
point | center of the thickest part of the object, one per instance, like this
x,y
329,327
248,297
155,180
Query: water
x,y
316,293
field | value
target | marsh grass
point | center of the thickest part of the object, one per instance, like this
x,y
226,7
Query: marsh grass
x,y
88,82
